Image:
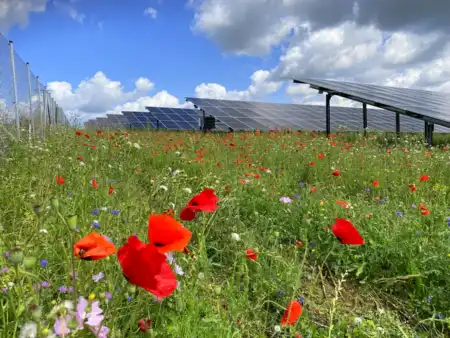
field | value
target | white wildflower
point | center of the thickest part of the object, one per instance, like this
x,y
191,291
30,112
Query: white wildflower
x,y
188,190
43,231
28,330
235,236
82,164
163,187
277,328
136,145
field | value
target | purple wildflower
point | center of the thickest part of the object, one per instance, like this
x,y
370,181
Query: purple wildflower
x,y
96,278
95,211
43,263
96,224
62,289
45,284
285,200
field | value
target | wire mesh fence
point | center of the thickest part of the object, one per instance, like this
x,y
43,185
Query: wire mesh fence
x,y
27,108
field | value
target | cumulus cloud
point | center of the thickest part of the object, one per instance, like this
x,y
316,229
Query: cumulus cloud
x,y
16,12
253,26
396,43
260,85
99,95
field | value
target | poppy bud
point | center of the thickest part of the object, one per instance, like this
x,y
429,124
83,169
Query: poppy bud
x,y
55,203
29,262
72,222
37,209
16,257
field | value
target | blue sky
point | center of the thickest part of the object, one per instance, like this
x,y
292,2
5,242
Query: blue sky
x,y
116,37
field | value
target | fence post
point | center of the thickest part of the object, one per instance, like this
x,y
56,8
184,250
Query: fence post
x,y
30,98
41,111
44,111
13,70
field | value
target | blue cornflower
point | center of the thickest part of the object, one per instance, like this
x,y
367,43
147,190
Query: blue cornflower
x,y
96,224
301,300
95,211
115,212
414,206
429,300
399,213
302,184
43,263
367,190
130,298
382,201
296,196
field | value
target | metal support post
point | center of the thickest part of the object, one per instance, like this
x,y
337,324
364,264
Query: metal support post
x,y
45,107
41,111
328,113
429,128
364,107
30,99
397,124
13,69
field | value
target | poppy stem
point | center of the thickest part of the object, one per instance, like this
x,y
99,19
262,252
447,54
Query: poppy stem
x,y
72,255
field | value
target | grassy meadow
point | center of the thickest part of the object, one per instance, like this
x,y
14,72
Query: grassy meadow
x,y
279,195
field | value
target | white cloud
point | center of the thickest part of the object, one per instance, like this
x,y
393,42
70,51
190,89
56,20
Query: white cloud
x,y
16,12
353,40
260,85
99,95
70,10
150,11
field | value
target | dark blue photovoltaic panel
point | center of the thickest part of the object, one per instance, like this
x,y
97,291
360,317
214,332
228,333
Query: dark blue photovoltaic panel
x,y
432,106
243,115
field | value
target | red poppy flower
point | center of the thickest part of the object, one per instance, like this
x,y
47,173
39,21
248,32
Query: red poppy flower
x,y
144,266
251,254
424,178
167,234
205,201
336,173
321,156
376,183
312,164
346,233
78,133
144,324
110,190
343,204
412,187
292,313
423,210
93,247
94,183
99,132
59,180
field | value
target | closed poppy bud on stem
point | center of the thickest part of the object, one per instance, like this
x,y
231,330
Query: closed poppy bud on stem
x,y
29,262
55,203
72,222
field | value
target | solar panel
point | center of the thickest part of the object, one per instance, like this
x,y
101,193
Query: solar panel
x,y
246,115
429,105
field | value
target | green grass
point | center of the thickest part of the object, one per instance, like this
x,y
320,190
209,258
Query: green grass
x,y
396,285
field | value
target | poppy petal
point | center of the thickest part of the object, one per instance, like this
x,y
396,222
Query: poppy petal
x,y
346,232
145,267
167,234
292,312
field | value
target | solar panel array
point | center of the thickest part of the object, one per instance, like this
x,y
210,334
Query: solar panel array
x,y
435,105
164,118
245,115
